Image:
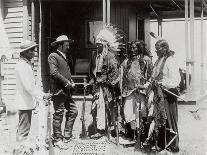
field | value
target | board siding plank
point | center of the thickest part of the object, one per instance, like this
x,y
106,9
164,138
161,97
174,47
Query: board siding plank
x,y
11,1
16,9
13,30
13,20
15,45
13,4
13,25
15,40
14,15
15,35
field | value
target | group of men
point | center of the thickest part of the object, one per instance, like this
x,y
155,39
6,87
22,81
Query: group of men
x,y
133,96
28,92
128,91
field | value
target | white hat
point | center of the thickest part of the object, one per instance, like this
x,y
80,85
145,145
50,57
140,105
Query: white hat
x,y
26,45
62,38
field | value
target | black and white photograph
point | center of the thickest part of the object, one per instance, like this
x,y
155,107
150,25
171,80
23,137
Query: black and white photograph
x,y
103,77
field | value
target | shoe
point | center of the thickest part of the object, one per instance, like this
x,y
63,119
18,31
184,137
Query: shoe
x,y
69,139
164,152
126,141
60,145
97,136
173,150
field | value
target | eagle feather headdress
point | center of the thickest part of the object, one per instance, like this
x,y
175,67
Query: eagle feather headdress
x,y
112,37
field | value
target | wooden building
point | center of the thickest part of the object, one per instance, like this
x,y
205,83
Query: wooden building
x,y
44,20
15,17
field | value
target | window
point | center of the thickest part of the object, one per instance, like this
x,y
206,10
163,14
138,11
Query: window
x,y
92,28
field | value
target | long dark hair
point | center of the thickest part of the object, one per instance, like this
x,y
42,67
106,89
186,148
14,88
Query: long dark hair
x,y
141,48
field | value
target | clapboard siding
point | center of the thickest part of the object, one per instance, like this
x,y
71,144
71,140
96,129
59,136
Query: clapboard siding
x,y
15,40
9,1
14,30
14,15
13,25
15,45
13,4
9,82
13,21
16,9
14,35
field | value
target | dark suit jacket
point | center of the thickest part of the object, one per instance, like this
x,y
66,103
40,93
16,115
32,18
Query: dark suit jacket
x,y
59,74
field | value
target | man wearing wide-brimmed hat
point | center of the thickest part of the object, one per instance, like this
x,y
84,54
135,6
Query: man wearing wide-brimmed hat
x,y
61,84
27,90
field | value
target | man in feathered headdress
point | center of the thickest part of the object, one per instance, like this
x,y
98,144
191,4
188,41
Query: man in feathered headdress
x,y
109,44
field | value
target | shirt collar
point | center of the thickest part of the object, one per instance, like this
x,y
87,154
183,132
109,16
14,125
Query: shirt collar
x,y
63,54
27,61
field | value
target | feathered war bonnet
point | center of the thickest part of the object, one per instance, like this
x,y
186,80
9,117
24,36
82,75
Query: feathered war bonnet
x,y
112,37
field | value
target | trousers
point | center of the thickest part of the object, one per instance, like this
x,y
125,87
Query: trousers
x,y
171,124
24,125
61,103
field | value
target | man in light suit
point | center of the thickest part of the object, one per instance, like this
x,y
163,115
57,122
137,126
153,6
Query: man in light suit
x,y
61,84
27,90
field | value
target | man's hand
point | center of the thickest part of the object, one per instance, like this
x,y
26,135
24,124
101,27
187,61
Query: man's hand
x,y
70,85
146,85
47,96
159,83
91,82
73,84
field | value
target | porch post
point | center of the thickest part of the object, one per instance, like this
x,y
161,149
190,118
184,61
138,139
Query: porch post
x,y
192,85
108,11
33,20
202,55
186,45
25,20
39,74
159,27
104,13
43,110
1,9
147,30
1,75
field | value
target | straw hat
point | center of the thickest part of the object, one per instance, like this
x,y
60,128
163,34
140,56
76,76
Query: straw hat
x,y
26,45
61,38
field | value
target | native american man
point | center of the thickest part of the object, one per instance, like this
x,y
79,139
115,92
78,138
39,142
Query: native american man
x,y
163,114
136,69
109,43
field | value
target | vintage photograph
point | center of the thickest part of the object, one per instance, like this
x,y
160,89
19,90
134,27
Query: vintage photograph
x,y
103,77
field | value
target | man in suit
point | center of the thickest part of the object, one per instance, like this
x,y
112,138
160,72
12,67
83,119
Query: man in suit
x,y
61,84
